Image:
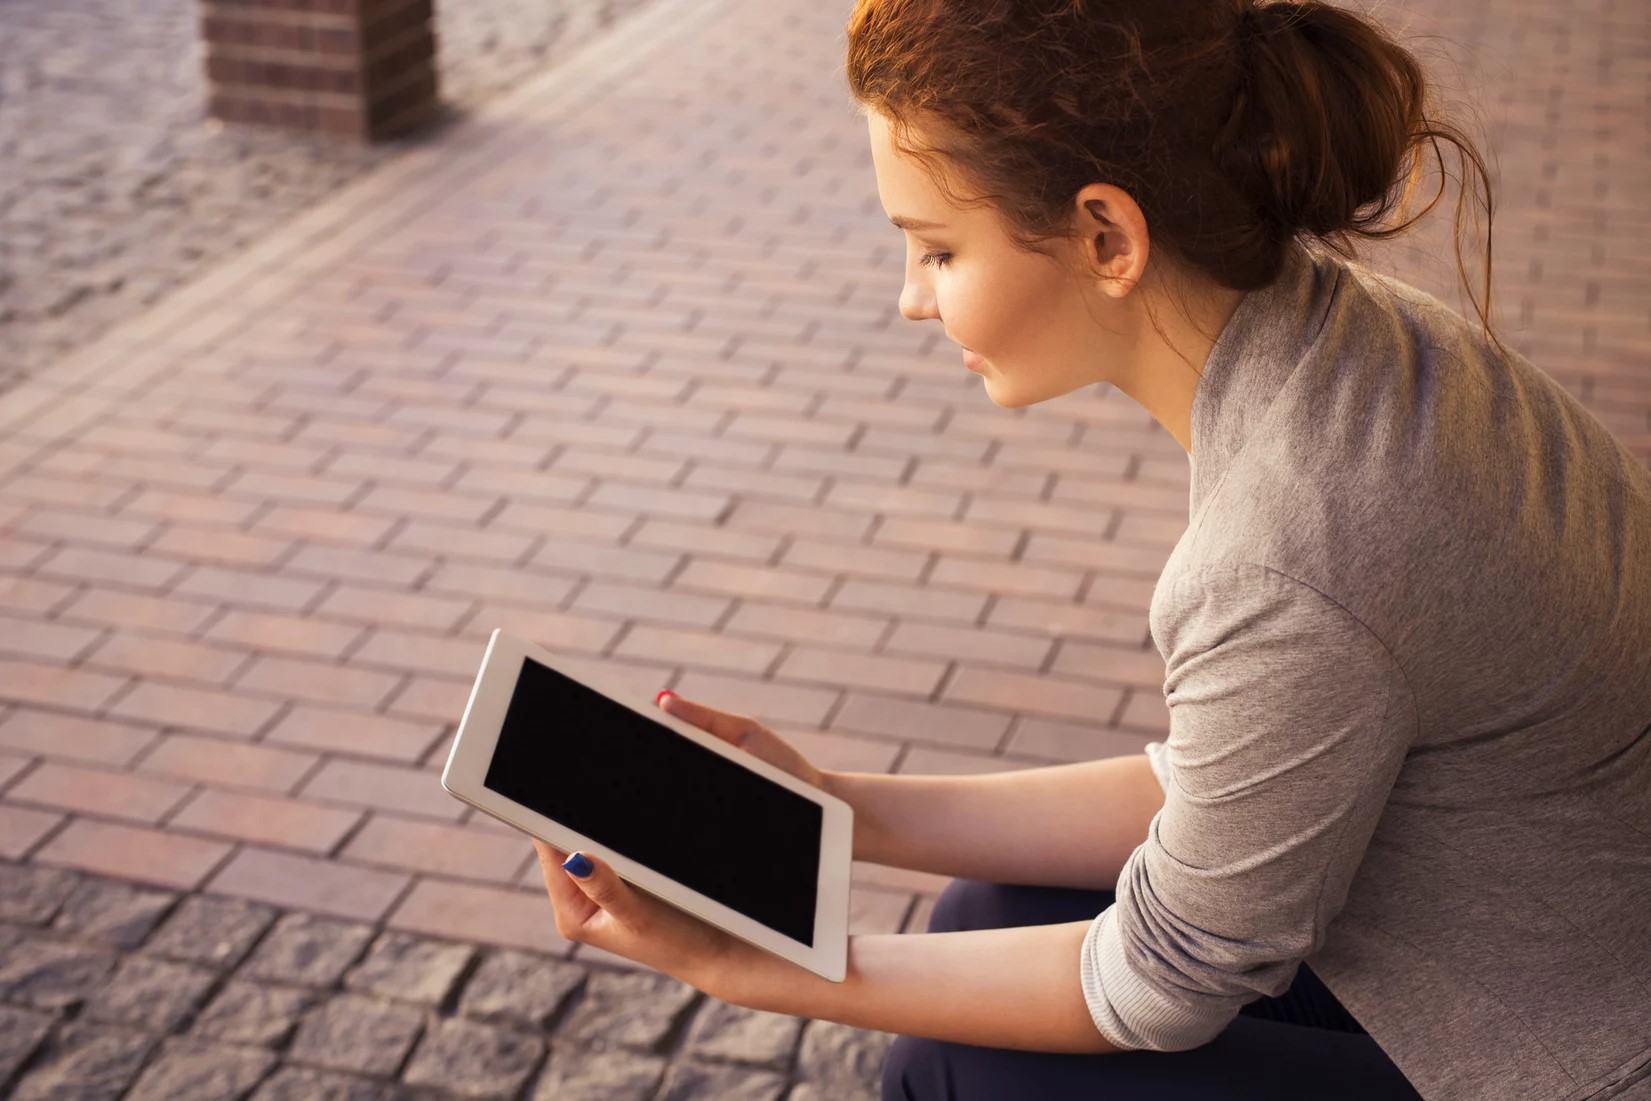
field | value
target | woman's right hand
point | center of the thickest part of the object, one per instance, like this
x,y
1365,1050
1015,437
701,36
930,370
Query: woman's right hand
x,y
746,733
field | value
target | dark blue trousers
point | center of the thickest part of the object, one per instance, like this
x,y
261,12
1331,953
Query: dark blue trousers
x,y
1302,1044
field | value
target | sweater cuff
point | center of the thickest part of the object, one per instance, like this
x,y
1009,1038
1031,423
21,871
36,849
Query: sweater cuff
x,y
1158,757
1129,1013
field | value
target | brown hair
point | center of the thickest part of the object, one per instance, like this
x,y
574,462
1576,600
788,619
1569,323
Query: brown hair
x,y
1236,125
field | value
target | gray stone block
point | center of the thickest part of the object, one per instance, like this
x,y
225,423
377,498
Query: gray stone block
x,y
111,912
31,893
307,950
634,1009
211,930
579,1075
52,974
353,1033
85,1062
149,993
471,1059
729,1032
255,1013
410,969
689,1081
520,988
21,1031
201,1072
300,1084
841,1058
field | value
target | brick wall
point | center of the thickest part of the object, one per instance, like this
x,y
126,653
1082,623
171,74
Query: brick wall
x,y
363,69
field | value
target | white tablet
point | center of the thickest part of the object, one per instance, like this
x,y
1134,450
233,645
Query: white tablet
x,y
564,753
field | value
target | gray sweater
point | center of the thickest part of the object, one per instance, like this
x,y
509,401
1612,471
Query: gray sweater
x,y
1407,645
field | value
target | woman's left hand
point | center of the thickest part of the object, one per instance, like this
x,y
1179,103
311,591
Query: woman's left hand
x,y
605,911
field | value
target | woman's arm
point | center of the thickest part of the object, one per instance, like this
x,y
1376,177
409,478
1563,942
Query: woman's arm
x,y
1057,826
1009,988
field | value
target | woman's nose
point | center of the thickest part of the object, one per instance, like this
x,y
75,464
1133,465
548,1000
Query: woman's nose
x,y
916,303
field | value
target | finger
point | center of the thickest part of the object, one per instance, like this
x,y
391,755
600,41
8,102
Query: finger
x,y
731,728
603,887
569,902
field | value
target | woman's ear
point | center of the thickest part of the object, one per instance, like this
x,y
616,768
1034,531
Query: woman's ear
x,y
1114,235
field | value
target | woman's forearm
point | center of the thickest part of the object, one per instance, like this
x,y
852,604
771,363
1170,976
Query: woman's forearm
x,y
1008,988
1057,826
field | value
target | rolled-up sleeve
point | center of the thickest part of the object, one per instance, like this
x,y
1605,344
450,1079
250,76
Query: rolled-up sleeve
x,y
1289,723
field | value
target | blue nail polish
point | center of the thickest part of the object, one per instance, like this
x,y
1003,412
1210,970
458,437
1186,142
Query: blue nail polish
x,y
578,865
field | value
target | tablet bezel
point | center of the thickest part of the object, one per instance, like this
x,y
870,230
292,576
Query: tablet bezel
x,y
472,751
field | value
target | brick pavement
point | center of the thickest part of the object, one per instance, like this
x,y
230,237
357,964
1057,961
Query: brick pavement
x,y
619,366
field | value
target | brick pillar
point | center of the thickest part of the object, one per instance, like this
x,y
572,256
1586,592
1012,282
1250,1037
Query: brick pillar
x,y
362,69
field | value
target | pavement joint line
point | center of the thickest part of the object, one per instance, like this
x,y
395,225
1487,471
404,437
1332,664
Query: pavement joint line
x,y
274,268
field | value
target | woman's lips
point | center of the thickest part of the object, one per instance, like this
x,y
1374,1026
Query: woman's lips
x,y
972,361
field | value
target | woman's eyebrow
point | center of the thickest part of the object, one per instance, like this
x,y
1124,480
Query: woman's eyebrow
x,y
914,224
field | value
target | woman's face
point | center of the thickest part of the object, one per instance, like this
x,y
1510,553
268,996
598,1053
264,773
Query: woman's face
x,y
1022,313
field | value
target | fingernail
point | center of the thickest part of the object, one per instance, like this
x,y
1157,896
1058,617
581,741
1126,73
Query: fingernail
x,y
578,865
663,692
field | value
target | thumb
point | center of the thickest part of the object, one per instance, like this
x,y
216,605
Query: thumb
x,y
602,885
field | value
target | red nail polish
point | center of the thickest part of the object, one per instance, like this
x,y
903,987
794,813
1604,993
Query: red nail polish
x,y
663,692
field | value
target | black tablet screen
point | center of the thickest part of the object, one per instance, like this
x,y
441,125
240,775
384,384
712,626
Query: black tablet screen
x,y
648,793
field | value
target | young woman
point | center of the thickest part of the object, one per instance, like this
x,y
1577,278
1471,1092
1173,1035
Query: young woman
x,y
1398,840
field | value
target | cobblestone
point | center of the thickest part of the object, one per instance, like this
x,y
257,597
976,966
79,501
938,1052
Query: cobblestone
x,y
517,988
617,1076
471,1059
410,969
299,1084
357,1034
211,930
113,913
21,1031
201,1072
724,1031
50,974
255,1013
31,894
85,1062
700,1082
149,993
636,1009
309,950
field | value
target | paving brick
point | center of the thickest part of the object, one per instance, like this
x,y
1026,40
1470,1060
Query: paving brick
x,y
327,525
1015,649
702,648
303,882
56,686
383,787
879,672
96,791
231,764
34,594
424,846
21,829
307,950
25,637
119,570
251,589
150,856
318,681
273,631
196,708
419,652
355,733
286,823
417,610
166,658
491,915
139,611
202,543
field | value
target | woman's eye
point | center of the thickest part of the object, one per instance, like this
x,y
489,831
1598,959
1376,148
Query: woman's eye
x,y
936,259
